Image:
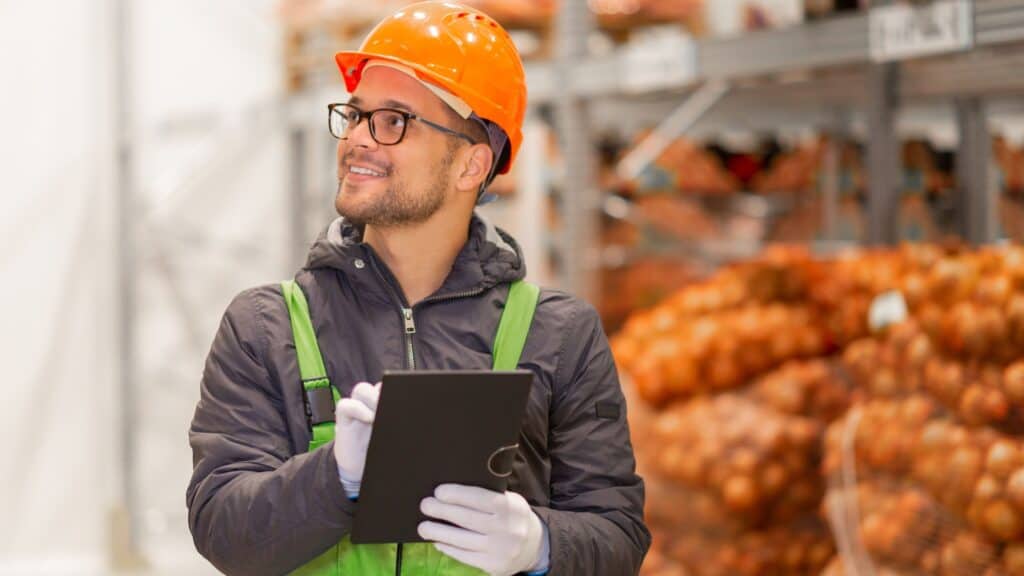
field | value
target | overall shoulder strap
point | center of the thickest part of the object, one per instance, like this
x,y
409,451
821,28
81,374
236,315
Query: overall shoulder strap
x,y
515,324
320,396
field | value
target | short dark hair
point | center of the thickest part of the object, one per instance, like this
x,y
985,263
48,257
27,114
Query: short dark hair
x,y
476,132
467,126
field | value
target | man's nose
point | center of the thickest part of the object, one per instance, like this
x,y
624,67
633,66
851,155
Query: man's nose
x,y
359,135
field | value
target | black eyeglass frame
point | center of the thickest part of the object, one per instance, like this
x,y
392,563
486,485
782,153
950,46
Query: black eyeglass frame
x,y
368,116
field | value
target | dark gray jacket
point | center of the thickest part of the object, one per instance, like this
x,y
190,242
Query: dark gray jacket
x,y
260,504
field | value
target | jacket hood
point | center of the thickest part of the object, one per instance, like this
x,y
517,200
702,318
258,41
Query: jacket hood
x,y
490,256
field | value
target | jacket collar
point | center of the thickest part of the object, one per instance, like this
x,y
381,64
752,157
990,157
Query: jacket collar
x,y
490,256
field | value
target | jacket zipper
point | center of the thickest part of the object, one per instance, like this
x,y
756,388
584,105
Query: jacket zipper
x,y
410,323
410,329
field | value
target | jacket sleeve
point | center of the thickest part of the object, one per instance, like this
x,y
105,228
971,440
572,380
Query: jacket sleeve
x,y
255,507
595,518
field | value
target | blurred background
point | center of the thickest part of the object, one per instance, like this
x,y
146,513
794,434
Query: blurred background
x,y
799,220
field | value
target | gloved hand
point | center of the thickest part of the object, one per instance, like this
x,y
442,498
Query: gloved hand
x,y
496,532
353,421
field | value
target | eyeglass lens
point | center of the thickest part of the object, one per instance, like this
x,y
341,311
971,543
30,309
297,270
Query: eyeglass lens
x,y
386,126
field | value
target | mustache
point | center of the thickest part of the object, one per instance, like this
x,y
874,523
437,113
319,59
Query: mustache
x,y
351,157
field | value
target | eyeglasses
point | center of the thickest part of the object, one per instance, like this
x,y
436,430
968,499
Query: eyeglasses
x,y
387,125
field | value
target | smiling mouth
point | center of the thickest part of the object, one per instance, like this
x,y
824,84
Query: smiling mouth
x,y
364,171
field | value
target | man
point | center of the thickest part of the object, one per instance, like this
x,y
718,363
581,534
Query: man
x,y
410,278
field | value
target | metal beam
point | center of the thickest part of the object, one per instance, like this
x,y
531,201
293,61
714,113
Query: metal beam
x,y
830,186
981,73
831,42
298,146
998,21
125,517
677,123
976,202
883,155
580,197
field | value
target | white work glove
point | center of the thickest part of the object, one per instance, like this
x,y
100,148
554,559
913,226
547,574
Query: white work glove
x,y
352,426
496,532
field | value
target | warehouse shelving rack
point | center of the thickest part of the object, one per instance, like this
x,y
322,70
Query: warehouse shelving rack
x,y
830,56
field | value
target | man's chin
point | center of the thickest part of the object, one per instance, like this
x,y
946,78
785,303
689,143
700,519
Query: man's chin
x,y
353,203
351,213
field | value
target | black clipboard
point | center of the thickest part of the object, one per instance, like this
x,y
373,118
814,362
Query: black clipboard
x,y
433,428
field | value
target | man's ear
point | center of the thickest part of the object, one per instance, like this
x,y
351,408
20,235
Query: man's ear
x,y
475,167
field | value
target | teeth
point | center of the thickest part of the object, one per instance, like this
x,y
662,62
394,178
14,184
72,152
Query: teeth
x,y
364,171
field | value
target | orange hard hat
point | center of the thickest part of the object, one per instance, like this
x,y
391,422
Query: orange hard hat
x,y
458,48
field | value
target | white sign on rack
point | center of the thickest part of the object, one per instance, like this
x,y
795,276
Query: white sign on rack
x,y
905,31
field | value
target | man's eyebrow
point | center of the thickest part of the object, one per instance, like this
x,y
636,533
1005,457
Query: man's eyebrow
x,y
357,101
397,104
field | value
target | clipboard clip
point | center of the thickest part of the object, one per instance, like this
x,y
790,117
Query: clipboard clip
x,y
496,454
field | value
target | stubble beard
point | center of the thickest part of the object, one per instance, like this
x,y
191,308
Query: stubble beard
x,y
398,207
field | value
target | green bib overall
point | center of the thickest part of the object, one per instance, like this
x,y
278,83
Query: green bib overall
x,y
418,559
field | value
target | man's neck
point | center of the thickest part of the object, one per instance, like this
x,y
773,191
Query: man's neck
x,y
420,255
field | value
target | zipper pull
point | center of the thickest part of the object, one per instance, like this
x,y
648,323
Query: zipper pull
x,y
410,326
